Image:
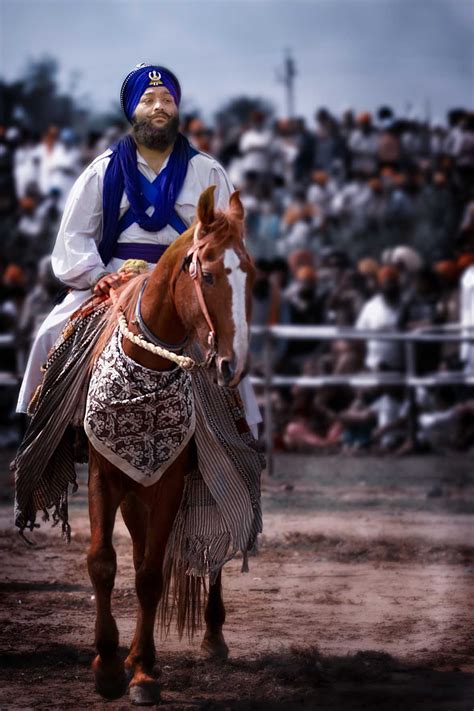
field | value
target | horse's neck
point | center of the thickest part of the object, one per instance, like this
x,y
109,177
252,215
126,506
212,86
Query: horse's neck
x,y
159,313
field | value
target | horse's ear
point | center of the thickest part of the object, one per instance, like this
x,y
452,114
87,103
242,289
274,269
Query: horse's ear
x,y
205,208
235,206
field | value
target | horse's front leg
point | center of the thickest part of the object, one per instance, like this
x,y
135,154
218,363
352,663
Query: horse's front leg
x,y
104,498
213,644
162,501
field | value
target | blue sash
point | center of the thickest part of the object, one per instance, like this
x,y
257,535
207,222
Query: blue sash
x,y
149,192
122,174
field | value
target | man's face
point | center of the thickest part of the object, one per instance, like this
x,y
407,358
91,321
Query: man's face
x,y
156,120
390,288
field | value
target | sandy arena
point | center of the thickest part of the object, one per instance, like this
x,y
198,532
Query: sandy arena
x,y
360,598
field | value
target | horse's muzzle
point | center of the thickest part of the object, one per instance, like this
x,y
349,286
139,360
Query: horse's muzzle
x,y
226,373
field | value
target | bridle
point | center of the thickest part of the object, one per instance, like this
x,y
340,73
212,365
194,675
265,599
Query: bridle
x,y
195,272
147,340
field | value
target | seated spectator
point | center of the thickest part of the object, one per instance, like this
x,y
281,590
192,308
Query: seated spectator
x,y
391,409
388,145
14,290
363,144
256,149
38,302
300,258
420,311
448,307
440,427
382,313
199,135
304,308
376,419
311,425
368,269
466,268
297,224
305,144
333,264
358,422
330,145
263,229
314,421
268,308
320,194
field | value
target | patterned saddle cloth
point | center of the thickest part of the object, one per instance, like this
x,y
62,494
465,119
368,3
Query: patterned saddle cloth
x,y
138,419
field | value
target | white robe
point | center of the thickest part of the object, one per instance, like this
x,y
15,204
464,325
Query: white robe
x,y
77,263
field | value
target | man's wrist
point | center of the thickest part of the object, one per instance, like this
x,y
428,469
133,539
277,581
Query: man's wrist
x,y
95,277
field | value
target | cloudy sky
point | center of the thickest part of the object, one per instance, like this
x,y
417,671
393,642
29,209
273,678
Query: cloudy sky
x,y
358,53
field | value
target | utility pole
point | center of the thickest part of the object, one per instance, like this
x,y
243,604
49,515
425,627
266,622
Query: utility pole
x,y
286,76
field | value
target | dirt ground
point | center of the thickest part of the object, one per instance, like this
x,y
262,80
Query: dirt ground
x,y
360,598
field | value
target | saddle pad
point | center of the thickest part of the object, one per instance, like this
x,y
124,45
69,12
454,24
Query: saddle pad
x,y
138,419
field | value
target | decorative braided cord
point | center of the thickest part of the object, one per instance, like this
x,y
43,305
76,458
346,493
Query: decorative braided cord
x,y
183,361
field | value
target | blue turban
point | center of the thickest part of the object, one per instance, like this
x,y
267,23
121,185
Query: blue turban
x,y
142,77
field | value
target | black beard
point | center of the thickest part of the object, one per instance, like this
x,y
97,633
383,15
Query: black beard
x,y
157,139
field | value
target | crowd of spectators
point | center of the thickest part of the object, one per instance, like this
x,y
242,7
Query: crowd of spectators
x,y
360,221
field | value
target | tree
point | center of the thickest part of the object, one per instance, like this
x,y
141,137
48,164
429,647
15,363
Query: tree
x,y
238,111
34,100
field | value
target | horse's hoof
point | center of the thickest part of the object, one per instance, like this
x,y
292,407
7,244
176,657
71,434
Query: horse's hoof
x,y
145,694
110,681
111,688
214,648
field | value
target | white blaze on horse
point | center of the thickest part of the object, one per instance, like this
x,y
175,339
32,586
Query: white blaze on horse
x,y
200,291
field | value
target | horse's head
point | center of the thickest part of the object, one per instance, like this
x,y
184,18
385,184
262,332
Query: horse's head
x,y
217,276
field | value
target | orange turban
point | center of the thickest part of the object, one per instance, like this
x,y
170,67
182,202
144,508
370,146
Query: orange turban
x,y
300,258
367,266
448,269
387,273
465,261
306,273
14,276
364,117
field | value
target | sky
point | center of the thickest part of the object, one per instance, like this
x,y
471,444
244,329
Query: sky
x,y
348,53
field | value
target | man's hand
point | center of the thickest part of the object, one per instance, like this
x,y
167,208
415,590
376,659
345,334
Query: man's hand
x,y
108,282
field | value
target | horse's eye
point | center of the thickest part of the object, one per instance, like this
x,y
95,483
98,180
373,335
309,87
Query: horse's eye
x,y
208,278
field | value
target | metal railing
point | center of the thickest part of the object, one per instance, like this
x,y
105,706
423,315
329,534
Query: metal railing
x,y
454,333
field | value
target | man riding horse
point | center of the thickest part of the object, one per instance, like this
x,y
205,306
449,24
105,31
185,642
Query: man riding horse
x,y
169,446
131,202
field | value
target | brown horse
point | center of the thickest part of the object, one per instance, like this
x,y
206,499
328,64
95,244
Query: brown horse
x,y
213,252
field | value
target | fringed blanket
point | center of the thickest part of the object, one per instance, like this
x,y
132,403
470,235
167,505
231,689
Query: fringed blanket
x,y
44,464
220,512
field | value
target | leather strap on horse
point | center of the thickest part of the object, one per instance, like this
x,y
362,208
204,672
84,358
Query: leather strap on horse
x,y
182,361
195,272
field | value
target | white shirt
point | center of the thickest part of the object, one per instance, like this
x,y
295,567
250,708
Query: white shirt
x,y
256,148
378,315
467,317
76,260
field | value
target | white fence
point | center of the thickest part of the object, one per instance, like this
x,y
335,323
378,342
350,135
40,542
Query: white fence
x,y
269,381
452,334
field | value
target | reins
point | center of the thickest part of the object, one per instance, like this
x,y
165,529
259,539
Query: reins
x,y
151,343
195,272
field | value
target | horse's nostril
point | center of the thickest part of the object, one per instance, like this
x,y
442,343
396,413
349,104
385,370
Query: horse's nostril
x,y
227,370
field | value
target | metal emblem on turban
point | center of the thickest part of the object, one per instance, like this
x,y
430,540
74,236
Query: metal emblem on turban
x,y
155,78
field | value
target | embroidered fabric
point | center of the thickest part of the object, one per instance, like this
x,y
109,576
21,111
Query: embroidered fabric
x,y
138,419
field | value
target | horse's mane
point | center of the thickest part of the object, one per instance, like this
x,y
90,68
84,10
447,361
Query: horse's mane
x,y
127,297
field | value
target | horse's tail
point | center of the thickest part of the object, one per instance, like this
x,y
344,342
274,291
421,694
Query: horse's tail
x,y
184,594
